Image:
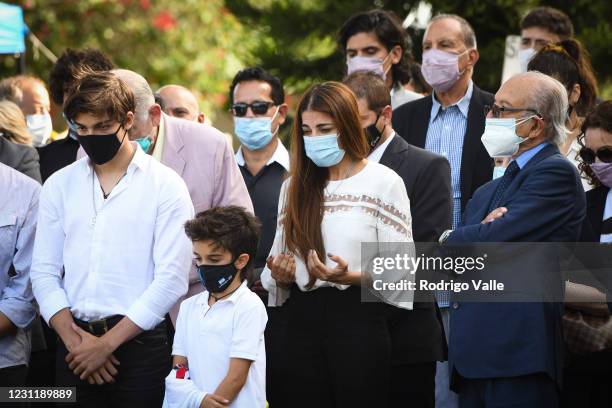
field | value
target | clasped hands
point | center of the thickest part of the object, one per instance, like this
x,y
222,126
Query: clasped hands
x,y
282,267
92,358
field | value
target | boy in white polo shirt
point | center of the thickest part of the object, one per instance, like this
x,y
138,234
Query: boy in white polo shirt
x,y
219,354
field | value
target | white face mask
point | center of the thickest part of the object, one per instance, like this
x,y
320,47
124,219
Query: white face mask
x,y
40,128
524,56
500,138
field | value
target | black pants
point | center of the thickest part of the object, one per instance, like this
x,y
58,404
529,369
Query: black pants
x,y
413,385
14,376
145,362
337,350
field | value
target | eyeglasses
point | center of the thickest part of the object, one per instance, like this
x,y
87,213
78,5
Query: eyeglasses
x,y
496,110
257,107
604,154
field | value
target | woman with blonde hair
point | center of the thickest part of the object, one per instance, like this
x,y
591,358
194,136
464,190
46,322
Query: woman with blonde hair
x,y
13,125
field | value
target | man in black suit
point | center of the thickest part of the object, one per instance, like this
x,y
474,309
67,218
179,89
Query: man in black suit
x,y
416,335
20,157
62,152
450,122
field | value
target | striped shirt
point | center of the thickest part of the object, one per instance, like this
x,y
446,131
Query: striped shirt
x,y
445,135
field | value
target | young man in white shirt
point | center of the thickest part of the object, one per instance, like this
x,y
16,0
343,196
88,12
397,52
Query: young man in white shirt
x,y
110,257
219,351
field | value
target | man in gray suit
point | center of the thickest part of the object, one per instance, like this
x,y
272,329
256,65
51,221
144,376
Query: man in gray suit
x,y
20,157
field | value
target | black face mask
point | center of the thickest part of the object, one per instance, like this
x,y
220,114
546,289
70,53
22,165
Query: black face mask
x,y
216,278
101,148
373,134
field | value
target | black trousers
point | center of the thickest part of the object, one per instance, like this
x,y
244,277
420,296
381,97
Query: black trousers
x,y
413,385
337,350
145,362
14,376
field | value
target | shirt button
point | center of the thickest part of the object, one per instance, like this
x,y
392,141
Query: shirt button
x,y
455,305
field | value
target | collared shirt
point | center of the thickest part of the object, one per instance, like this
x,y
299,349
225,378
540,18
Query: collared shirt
x,y
527,155
18,208
158,149
377,154
126,255
264,189
445,136
209,336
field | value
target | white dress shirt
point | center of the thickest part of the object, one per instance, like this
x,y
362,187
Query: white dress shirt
x,y
126,255
209,336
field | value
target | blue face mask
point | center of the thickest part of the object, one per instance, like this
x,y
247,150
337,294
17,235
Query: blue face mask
x,y
498,172
144,143
323,150
254,133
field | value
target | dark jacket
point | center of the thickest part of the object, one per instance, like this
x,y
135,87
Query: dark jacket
x,y
411,120
417,335
57,155
545,203
20,157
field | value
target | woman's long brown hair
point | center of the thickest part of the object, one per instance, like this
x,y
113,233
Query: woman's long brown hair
x,y
304,201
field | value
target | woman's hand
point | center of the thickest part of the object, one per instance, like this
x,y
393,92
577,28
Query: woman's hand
x,y
340,274
282,267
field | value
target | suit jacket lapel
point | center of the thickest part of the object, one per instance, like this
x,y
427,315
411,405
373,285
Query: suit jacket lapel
x,y
391,157
471,141
172,155
546,152
595,210
421,123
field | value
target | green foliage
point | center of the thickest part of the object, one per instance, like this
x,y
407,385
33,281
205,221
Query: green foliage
x,y
298,37
195,43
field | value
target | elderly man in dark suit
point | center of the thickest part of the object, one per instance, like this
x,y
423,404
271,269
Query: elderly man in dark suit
x,y
450,123
511,354
417,335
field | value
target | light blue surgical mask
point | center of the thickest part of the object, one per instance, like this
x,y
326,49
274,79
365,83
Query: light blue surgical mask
x,y
323,150
72,132
498,172
255,133
144,143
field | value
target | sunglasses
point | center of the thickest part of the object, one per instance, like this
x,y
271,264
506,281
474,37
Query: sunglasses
x,y
496,111
258,108
604,154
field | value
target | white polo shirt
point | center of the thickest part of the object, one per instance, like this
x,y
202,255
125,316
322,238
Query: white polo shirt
x,y
209,336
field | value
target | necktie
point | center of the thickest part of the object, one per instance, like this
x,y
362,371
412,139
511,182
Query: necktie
x,y
504,182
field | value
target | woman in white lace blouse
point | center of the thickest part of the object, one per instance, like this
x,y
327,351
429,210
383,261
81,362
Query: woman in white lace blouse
x,y
337,347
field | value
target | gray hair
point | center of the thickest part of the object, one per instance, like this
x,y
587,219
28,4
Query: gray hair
x,y
143,95
549,97
469,37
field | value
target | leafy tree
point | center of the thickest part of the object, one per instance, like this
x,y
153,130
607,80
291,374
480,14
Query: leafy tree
x,y
199,44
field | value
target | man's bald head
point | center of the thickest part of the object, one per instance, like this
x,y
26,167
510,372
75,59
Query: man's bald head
x,y
180,102
148,114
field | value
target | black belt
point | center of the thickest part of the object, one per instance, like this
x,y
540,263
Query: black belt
x,y
99,327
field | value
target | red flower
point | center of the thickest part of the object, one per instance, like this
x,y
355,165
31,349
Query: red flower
x,y
164,21
145,4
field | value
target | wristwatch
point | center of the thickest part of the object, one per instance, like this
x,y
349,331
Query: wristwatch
x,y
444,236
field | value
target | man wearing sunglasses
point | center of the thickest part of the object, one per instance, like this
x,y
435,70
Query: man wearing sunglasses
x,y
259,109
511,354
